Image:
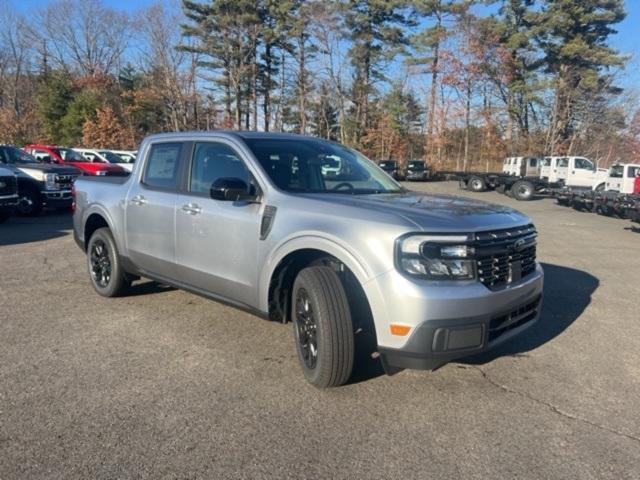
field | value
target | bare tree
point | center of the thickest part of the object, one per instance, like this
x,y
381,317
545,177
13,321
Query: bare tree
x,y
83,36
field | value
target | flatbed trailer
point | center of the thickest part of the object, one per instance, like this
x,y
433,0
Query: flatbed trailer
x,y
519,187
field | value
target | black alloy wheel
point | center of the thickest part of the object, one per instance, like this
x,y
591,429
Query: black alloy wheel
x,y
306,329
100,264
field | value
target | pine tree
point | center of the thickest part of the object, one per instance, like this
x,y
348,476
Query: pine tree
x,y
574,38
376,34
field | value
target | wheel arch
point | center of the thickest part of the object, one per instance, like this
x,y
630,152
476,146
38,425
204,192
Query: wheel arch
x,y
96,218
279,273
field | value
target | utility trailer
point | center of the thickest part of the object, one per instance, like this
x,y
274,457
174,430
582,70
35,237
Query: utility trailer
x,y
524,177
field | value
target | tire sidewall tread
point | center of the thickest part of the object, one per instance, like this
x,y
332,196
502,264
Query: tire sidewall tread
x,y
334,326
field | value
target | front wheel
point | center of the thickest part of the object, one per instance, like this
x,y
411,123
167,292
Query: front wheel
x,y
322,327
29,202
105,270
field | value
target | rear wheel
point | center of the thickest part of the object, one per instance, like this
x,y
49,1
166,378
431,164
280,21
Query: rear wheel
x,y
523,190
477,184
322,327
29,202
105,270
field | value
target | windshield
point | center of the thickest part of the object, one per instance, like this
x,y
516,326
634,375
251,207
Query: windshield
x,y
545,162
416,165
69,155
111,157
16,156
317,166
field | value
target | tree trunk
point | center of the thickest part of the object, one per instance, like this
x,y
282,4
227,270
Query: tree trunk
x,y
266,107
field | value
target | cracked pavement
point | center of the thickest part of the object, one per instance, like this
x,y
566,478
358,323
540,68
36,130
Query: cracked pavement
x,y
165,384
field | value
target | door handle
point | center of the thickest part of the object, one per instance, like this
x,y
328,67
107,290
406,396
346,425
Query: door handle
x,y
138,200
191,208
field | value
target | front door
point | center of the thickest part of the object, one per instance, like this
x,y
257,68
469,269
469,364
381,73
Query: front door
x,y
217,241
150,210
582,173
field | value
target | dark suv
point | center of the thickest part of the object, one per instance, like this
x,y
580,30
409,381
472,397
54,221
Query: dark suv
x,y
39,184
417,170
393,169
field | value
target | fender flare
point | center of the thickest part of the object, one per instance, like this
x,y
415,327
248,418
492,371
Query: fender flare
x,y
307,241
99,210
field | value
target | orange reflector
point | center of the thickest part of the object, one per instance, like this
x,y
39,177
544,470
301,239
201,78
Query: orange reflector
x,y
399,330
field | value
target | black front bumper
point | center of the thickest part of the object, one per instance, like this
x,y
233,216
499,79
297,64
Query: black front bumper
x,y
8,203
57,198
436,343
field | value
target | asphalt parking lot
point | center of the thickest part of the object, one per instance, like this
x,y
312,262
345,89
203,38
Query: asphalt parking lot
x,y
165,384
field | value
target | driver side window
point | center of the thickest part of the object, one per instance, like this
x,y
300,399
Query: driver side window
x,y
212,161
583,164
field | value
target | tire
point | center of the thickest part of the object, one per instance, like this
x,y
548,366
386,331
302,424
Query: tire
x,y
105,269
476,184
29,202
523,190
322,327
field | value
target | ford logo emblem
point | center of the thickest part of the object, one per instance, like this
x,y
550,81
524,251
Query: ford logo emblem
x,y
519,245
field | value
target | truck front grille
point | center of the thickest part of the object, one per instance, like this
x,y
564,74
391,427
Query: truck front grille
x,y
8,185
65,181
505,256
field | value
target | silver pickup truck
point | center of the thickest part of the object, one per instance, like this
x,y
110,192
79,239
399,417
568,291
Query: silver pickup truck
x,y
298,229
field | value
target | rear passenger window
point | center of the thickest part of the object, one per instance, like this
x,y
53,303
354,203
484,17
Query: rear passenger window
x,y
163,166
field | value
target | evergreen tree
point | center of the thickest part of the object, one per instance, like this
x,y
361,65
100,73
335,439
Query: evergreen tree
x,y
574,38
376,34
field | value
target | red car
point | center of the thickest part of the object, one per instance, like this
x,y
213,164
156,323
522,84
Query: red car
x,y
67,156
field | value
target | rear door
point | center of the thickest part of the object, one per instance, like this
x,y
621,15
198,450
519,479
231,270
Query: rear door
x,y
217,241
150,209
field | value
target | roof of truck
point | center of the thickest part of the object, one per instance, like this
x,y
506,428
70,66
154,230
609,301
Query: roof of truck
x,y
245,135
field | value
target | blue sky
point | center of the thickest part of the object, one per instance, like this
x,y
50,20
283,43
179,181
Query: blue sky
x,y
627,40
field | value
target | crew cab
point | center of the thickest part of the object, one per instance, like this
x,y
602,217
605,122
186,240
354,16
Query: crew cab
x,y
39,184
8,193
68,156
417,170
623,178
392,168
251,220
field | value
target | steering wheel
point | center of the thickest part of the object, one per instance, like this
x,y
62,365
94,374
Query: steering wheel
x,y
343,184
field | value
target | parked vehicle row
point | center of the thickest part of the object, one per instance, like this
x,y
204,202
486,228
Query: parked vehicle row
x,y
415,170
524,177
44,174
621,199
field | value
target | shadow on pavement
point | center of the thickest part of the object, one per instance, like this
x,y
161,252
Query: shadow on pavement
x,y
147,288
567,293
18,230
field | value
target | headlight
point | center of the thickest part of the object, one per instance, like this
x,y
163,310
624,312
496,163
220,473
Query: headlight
x,y
436,257
50,181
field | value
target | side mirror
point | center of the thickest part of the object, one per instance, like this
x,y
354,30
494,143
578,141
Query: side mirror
x,y
231,189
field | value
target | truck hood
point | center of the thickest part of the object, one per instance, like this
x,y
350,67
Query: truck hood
x,y
38,170
435,213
